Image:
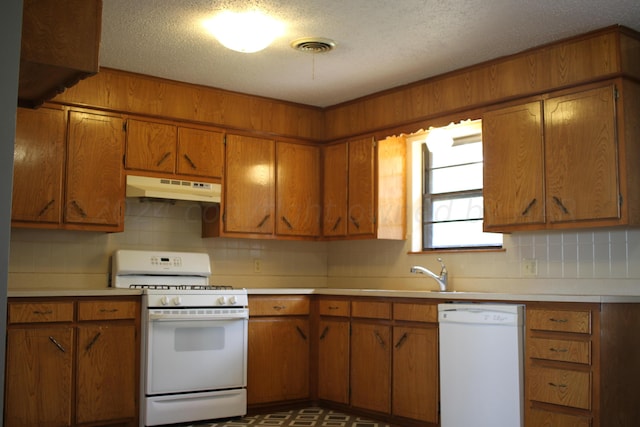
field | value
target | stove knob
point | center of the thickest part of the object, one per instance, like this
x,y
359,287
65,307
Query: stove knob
x,y
233,300
177,301
164,300
221,301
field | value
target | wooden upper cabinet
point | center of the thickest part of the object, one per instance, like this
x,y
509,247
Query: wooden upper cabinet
x,y
365,189
200,152
249,185
151,146
297,189
38,166
60,46
513,165
95,181
570,160
581,156
335,181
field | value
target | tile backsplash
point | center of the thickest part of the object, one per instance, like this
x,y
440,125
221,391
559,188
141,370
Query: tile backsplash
x,y
586,262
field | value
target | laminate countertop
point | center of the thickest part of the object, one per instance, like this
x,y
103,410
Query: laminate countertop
x,y
462,296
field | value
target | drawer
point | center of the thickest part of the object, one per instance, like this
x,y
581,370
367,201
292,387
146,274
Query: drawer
x,y
278,306
562,350
559,320
36,312
108,310
540,418
371,309
560,386
415,312
328,307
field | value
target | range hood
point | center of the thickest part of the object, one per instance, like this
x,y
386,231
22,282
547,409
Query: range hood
x,y
173,189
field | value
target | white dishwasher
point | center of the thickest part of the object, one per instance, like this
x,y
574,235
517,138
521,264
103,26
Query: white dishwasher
x,y
481,365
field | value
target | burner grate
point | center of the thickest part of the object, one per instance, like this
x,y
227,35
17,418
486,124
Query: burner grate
x,y
181,287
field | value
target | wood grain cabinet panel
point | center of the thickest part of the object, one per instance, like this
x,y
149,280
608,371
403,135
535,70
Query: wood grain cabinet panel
x,y
200,152
39,312
331,307
560,386
540,418
333,359
151,146
371,366
560,320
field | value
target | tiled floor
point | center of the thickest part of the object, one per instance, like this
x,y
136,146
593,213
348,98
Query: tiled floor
x,y
308,417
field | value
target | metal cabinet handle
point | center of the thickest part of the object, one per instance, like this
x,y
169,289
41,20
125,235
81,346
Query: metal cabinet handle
x,y
75,204
279,307
163,158
558,385
553,319
335,226
42,313
355,222
57,344
92,342
401,341
261,223
107,310
558,202
558,350
379,338
529,206
301,332
324,332
286,222
188,159
46,207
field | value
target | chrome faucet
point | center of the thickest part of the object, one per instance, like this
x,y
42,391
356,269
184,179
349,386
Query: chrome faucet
x,y
442,279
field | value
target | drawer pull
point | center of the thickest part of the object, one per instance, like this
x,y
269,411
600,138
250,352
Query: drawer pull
x,y
93,341
301,332
163,158
559,350
107,310
279,307
380,340
42,313
324,332
57,344
334,307
558,385
553,319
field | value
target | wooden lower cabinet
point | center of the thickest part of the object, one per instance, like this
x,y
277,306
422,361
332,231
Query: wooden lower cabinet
x,y
333,360
66,370
278,362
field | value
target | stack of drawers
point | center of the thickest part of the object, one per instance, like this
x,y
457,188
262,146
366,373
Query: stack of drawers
x,y
560,366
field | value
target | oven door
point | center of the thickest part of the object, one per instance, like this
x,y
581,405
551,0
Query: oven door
x,y
195,350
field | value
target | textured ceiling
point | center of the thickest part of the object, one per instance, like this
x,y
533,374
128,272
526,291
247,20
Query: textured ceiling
x,y
381,44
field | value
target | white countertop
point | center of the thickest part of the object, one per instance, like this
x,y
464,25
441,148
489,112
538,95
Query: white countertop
x,y
475,296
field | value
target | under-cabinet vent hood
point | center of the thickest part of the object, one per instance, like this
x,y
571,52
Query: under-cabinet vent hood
x,y
173,189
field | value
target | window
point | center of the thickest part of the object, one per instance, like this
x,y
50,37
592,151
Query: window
x,y
452,202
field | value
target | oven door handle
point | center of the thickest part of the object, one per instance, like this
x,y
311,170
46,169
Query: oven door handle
x,y
155,317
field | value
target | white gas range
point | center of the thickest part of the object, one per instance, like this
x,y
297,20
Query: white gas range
x,y
194,337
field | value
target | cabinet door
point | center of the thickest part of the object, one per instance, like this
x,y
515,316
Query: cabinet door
x,y
200,152
333,361
371,366
107,378
415,373
151,146
581,156
361,216
336,182
278,360
38,386
513,166
249,185
297,189
94,185
38,165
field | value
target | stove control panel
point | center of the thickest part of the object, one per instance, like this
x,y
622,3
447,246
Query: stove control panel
x,y
158,298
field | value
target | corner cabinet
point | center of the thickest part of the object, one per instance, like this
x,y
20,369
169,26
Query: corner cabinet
x,y
564,161
68,170
72,362
364,189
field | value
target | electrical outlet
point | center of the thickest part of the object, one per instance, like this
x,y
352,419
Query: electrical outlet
x,y
530,267
257,266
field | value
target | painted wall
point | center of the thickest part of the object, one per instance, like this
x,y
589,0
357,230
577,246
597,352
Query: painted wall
x,y
582,262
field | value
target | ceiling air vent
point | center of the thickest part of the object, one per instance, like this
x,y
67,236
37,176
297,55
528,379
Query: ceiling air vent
x,y
313,44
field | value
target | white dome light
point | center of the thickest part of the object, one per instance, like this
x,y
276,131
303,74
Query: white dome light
x,y
245,32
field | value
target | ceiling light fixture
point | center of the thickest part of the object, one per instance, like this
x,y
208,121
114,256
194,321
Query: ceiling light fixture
x,y
245,32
